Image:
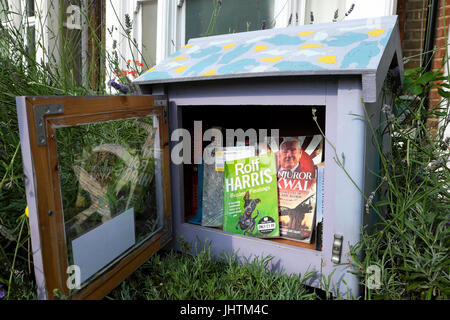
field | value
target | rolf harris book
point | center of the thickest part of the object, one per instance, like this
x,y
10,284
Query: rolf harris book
x,y
250,197
297,159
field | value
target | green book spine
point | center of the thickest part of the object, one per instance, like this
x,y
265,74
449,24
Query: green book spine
x,y
250,197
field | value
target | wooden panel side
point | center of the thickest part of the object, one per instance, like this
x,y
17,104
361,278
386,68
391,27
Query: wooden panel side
x,y
45,209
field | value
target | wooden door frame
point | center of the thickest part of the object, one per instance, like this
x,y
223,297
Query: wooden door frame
x,y
43,186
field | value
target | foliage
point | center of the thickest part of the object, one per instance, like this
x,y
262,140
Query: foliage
x,y
410,243
174,275
22,74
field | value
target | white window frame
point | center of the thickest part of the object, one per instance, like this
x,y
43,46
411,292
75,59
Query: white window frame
x,y
21,21
47,30
115,13
30,21
48,24
16,19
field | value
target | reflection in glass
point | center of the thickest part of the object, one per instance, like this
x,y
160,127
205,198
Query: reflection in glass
x,y
213,17
107,169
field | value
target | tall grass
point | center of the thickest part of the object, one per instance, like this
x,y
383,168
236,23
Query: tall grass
x,y
410,244
182,276
21,74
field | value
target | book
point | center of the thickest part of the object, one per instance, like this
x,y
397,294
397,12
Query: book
x,y
213,182
197,187
212,195
296,174
195,190
319,205
250,197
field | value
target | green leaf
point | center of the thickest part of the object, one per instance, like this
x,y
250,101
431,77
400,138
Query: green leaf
x,y
427,77
440,114
382,203
444,93
416,89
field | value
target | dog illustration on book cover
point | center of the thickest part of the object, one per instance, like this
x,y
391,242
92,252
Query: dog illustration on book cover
x,y
246,222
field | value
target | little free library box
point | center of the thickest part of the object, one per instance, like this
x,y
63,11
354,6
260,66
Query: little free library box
x,y
204,152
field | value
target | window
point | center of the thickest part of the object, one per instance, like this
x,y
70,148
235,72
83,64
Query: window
x,y
204,18
159,28
130,36
73,45
30,27
320,11
3,13
82,35
181,20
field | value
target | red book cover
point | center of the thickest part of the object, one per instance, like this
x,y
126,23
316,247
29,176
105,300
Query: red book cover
x,y
297,158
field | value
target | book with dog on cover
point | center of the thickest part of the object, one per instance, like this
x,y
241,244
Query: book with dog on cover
x,y
297,160
250,197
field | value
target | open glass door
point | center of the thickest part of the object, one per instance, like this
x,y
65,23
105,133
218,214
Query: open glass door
x,y
97,183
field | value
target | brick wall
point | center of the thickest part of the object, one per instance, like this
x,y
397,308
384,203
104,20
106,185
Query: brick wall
x,y
441,33
412,23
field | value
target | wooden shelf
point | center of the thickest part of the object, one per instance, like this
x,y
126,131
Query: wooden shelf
x,y
311,246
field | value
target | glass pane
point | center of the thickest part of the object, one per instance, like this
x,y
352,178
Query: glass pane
x,y
110,177
30,8
213,17
322,11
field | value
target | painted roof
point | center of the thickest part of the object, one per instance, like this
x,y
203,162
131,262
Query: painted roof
x,y
354,46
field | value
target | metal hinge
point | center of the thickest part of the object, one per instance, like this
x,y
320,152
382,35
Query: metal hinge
x,y
162,103
165,111
39,123
337,248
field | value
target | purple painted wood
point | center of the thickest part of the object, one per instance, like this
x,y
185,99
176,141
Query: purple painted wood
x,y
30,190
343,205
275,91
344,191
291,259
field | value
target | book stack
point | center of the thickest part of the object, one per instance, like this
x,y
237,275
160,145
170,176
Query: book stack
x,y
266,192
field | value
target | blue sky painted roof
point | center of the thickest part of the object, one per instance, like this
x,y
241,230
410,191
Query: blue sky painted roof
x,y
354,46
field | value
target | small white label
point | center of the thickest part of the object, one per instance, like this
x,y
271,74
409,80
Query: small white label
x,y
219,160
266,226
